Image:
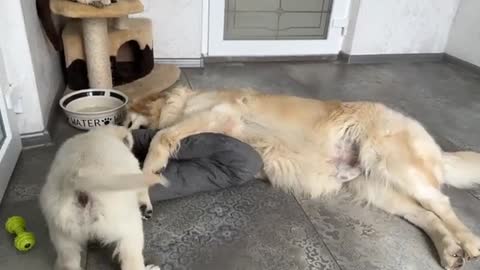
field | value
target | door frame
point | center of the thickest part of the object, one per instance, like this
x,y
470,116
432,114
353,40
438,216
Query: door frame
x,y
214,45
11,147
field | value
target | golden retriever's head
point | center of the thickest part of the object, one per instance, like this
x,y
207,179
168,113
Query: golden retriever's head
x,y
135,120
141,112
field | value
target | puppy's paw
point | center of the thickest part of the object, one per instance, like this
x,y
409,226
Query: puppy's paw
x,y
147,211
152,267
145,205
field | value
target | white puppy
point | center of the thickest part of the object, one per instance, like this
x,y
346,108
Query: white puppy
x,y
93,192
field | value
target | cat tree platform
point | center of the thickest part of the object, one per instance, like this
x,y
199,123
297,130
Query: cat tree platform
x,y
104,48
161,78
71,9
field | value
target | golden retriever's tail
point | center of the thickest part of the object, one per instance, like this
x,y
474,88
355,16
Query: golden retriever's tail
x,y
94,182
461,169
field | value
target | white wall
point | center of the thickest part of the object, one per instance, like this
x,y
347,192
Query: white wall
x,y
19,65
399,26
177,27
46,61
464,39
32,67
376,26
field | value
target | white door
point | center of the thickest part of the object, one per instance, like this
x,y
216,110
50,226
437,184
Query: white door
x,y
10,144
274,27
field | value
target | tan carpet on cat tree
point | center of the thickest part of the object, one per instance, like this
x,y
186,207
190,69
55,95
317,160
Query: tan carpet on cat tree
x,y
161,78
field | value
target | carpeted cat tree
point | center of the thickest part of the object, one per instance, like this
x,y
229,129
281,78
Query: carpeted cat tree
x,y
104,48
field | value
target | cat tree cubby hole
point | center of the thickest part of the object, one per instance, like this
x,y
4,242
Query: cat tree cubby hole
x,y
129,53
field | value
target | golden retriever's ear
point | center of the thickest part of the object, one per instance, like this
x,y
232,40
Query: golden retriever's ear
x,y
140,107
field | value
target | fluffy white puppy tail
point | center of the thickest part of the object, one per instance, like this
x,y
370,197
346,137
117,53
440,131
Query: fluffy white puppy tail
x,y
97,182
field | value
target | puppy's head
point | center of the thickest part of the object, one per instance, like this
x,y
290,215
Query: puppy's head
x,y
119,132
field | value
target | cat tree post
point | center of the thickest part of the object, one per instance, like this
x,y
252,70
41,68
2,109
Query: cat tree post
x,y
95,40
121,23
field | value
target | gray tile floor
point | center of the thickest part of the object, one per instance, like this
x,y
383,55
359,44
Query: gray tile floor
x,y
257,227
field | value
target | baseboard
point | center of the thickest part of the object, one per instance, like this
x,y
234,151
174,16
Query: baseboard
x,y
296,58
467,65
390,58
36,139
181,62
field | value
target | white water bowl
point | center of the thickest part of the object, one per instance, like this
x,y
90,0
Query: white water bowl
x,y
90,108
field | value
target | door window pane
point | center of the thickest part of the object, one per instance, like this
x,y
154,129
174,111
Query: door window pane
x,y
277,19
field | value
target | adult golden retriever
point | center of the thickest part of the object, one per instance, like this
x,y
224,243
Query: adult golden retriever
x,y
316,147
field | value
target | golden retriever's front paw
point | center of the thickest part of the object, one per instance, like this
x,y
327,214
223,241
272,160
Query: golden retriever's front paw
x,y
155,162
153,171
155,179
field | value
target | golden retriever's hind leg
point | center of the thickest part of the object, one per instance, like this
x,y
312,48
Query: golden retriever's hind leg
x,y
391,201
416,171
434,200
